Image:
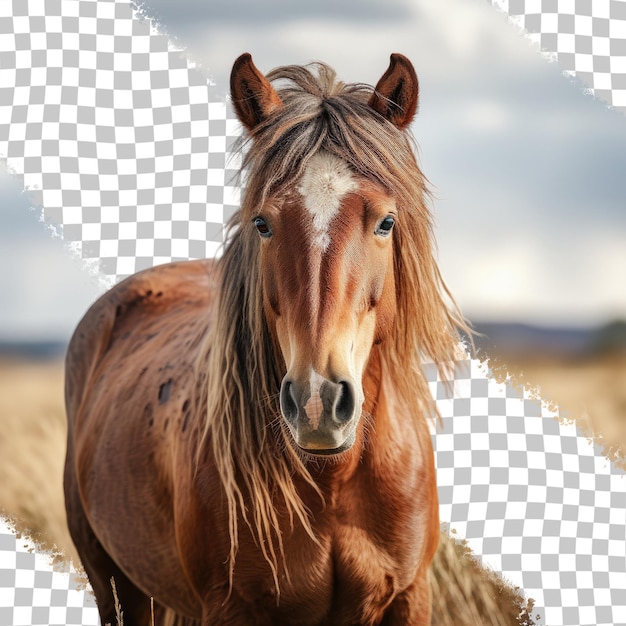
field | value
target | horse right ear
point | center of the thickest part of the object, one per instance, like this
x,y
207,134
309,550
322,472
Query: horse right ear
x,y
251,93
396,94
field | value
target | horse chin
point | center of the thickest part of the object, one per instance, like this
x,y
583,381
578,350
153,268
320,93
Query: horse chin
x,y
328,452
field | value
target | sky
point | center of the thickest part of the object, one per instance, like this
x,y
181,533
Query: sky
x,y
527,171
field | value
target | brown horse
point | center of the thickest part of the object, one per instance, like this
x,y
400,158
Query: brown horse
x,y
248,439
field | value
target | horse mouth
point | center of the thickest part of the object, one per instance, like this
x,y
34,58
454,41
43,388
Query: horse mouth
x,y
328,452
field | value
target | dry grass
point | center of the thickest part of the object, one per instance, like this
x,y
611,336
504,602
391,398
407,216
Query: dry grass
x,y
119,614
466,593
591,391
32,449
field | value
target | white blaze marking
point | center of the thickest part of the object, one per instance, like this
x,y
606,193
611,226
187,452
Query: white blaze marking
x,y
314,407
326,180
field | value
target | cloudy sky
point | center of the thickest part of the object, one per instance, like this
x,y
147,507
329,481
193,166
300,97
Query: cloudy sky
x,y
527,170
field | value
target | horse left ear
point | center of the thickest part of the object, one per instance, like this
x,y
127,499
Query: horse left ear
x,y
396,93
251,93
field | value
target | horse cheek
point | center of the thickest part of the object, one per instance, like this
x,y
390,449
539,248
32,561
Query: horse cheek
x,y
385,310
271,301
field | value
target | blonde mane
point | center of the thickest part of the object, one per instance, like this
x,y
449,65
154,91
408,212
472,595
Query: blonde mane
x,y
242,429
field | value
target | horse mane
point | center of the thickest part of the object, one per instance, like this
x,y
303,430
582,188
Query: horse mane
x,y
241,367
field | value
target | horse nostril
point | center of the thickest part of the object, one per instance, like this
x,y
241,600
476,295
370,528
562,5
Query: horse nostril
x,y
288,403
344,403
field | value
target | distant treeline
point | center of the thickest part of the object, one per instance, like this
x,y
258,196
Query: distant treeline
x,y
527,340
610,338
492,338
37,350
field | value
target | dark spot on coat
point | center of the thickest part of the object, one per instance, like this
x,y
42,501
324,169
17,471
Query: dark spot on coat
x,y
166,424
186,415
126,335
119,310
185,422
147,411
165,391
150,336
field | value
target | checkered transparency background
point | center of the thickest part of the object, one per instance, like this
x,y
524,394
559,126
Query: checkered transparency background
x,y
586,37
114,135
31,592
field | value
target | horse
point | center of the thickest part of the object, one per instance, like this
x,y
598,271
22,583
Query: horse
x,y
248,436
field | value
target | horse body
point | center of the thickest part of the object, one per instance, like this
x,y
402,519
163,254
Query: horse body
x,y
146,505
129,389
247,438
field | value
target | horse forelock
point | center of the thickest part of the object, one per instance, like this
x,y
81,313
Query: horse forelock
x,y
319,115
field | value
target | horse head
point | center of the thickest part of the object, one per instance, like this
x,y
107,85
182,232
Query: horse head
x,y
324,225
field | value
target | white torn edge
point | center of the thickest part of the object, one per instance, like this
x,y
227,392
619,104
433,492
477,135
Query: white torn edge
x,y
143,12
534,39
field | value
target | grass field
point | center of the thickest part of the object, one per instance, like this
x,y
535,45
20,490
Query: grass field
x,y
32,448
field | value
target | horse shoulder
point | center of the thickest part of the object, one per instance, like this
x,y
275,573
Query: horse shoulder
x,y
107,318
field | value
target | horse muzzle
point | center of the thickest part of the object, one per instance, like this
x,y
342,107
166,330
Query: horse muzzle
x,y
322,415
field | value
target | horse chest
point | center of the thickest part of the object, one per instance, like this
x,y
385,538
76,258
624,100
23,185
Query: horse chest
x,y
352,579
369,550
365,575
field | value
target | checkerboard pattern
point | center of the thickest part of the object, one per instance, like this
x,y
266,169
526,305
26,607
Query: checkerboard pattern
x,y
116,138
532,496
113,133
31,592
586,37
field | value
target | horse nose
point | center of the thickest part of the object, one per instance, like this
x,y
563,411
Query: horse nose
x,y
344,402
320,413
324,401
288,403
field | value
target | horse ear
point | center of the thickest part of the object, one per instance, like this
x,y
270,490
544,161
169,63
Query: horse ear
x,y
396,93
251,93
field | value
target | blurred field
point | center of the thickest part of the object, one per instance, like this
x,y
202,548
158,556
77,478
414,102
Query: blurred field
x,y
32,448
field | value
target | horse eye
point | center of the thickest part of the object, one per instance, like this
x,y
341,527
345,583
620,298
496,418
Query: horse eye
x,y
384,228
262,227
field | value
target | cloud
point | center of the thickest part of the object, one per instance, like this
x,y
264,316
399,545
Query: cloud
x,y
524,276
45,293
444,39
188,15
44,290
486,116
